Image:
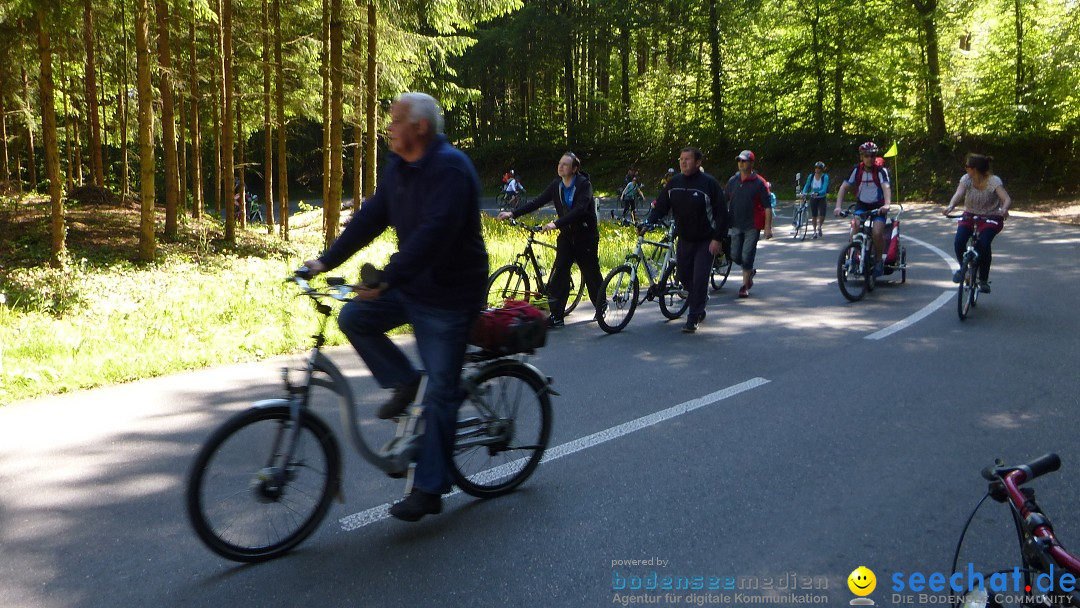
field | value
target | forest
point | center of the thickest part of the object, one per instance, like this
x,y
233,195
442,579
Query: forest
x,y
176,104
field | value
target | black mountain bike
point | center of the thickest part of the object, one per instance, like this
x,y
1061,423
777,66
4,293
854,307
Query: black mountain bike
x,y
513,281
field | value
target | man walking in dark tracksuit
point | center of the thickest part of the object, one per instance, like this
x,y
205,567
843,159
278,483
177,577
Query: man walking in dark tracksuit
x,y
699,206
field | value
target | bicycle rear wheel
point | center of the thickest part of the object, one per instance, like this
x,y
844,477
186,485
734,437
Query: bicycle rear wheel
x,y
621,295
508,283
673,298
503,429
245,501
965,293
850,274
721,268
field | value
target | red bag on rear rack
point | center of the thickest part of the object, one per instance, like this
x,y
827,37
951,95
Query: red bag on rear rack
x,y
515,327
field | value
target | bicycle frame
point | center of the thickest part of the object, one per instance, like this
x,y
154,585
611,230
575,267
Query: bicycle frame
x,y
528,256
637,258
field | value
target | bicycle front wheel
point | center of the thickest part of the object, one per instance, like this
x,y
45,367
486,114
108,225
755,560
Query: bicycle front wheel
x,y
621,295
503,429
673,298
965,293
721,268
508,283
850,274
260,486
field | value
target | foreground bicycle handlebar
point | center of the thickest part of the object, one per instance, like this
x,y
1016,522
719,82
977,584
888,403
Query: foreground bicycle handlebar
x,y
1047,565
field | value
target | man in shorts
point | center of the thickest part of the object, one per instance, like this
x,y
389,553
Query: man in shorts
x,y
751,212
873,195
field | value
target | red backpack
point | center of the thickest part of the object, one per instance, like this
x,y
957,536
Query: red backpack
x,y
875,174
515,327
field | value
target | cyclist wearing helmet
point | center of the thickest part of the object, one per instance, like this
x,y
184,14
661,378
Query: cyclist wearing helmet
x,y
667,178
816,187
873,195
512,185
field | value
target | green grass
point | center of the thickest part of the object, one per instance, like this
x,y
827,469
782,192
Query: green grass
x,y
107,320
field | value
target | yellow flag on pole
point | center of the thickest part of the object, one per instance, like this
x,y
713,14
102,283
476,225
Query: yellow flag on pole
x,y
892,151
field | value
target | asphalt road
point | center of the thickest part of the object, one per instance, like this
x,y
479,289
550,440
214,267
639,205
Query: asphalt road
x,y
802,436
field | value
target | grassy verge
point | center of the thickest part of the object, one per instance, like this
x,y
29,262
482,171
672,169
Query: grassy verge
x,y
105,319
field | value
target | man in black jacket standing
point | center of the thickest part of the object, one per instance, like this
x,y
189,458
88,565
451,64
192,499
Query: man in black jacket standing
x,y
430,194
698,205
579,238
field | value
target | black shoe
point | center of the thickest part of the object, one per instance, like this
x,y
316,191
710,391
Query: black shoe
x,y
984,286
554,322
399,402
416,505
691,325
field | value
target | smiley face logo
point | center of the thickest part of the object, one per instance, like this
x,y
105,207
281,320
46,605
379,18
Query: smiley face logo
x,y
862,581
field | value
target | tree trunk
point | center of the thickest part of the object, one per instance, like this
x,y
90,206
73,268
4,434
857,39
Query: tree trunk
x,y
927,10
1018,13
358,117
332,207
196,134
324,71
819,70
181,153
3,132
91,96
147,244
268,124
52,154
568,74
838,89
31,158
241,168
624,69
168,118
122,109
282,159
715,69
218,102
228,169
372,98
65,90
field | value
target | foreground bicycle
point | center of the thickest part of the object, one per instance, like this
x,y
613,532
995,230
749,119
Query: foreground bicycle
x,y
511,282
622,286
1046,566
264,480
855,268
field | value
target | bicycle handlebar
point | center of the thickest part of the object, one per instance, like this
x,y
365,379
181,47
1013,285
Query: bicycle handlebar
x,y
339,289
1019,474
524,226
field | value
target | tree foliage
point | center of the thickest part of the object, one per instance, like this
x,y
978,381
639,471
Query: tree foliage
x,y
623,79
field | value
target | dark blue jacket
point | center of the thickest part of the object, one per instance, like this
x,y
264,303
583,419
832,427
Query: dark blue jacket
x,y
434,206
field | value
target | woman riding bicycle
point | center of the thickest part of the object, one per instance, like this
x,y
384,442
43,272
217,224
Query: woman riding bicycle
x,y
579,237
816,187
986,205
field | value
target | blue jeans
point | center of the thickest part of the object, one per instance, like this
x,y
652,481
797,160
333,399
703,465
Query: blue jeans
x,y
441,336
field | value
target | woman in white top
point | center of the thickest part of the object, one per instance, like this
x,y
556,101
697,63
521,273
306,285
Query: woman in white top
x,y
986,205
